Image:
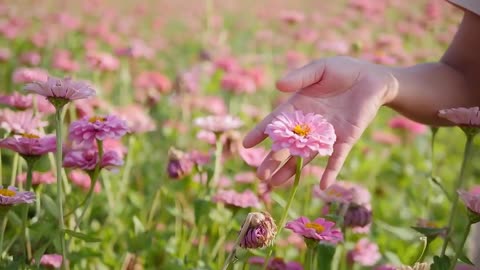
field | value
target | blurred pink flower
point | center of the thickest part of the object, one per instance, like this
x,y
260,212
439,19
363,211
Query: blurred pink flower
x,y
17,101
218,124
302,134
335,193
292,16
38,178
320,229
227,64
238,83
292,240
137,49
102,61
137,118
5,54
462,116
212,104
62,60
433,10
87,159
295,59
21,122
83,181
114,145
206,136
29,144
365,253
403,123
57,88
245,177
275,264
256,74
179,164
153,80
385,138
341,47
11,196
51,261
253,156
29,75
30,58
88,130
239,199
471,200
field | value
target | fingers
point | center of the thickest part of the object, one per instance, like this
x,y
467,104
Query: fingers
x,y
257,134
302,77
335,162
288,170
271,163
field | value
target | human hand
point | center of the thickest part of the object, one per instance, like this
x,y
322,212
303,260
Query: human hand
x,y
346,91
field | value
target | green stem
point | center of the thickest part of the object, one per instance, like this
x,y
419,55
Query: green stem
x,y
241,235
459,249
156,202
16,157
453,211
218,163
28,187
4,220
58,160
287,207
309,259
424,249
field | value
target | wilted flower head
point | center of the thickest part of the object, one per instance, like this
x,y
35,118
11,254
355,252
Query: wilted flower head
x,y
218,124
239,199
38,178
83,181
23,122
29,144
53,261
260,232
29,75
179,164
416,266
88,129
320,229
64,89
302,134
11,196
365,253
357,216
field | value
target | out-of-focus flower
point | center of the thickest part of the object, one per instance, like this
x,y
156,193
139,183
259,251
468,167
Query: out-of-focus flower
x,y
154,80
29,75
88,130
206,136
238,83
87,159
38,178
294,59
260,232
29,144
83,181
30,58
11,196
239,199
462,116
63,61
227,64
17,101
385,267
5,54
416,266
403,123
292,16
365,253
385,138
61,90
218,124
245,177
320,229
472,202
292,240
51,261
302,134
138,120
21,122
335,193
276,263
179,164
357,216
102,61
137,49
212,104
253,156
337,46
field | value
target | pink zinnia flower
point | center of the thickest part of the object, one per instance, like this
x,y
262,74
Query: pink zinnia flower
x,y
87,159
320,229
30,58
11,196
138,120
83,181
154,80
29,144
253,156
218,124
462,116
335,193
400,122
88,130
206,136
62,60
365,253
51,261
238,83
103,61
276,263
38,178
471,200
22,122
29,75
66,89
17,101
239,199
302,134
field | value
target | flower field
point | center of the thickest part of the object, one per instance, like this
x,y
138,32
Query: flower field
x,y
121,130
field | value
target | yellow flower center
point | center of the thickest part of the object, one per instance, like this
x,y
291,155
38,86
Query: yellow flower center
x,y
30,136
7,192
334,193
96,118
317,227
301,129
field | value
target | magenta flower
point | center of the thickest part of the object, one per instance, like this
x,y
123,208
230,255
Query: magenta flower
x,y
365,253
51,261
320,229
66,89
29,75
87,130
400,122
11,196
261,231
83,181
87,159
462,116
38,178
302,134
218,124
23,122
231,197
29,144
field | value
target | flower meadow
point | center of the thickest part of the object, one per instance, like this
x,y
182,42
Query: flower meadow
x,y
121,128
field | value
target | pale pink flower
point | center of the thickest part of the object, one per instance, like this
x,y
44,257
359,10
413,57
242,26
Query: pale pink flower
x,y
245,177
83,181
88,130
102,61
400,122
17,101
335,193
138,120
253,156
471,200
66,89
29,144
227,64
212,104
21,122
319,229
239,199
217,124
30,58
38,178
365,253
62,60
51,261
302,134
361,195
294,59
11,196
462,116
153,80
206,136
114,145
386,267
87,159
292,16
137,49
238,83
29,75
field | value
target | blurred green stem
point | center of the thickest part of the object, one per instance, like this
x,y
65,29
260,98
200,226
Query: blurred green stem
x,y
309,259
4,220
16,157
287,207
459,249
58,160
424,249
218,163
28,186
459,184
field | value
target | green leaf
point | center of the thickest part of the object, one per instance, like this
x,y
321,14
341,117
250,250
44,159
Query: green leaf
x,y
82,236
50,205
138,226
430,233
440,263
325,255
463,258
14,219
201,209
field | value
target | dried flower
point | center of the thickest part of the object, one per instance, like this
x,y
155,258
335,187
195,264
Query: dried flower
x,y
261,231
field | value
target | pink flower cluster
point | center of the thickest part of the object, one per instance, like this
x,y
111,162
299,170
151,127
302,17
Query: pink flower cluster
x,y
238,199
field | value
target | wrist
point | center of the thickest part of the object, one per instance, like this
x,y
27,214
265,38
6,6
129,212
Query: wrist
x,y
389,77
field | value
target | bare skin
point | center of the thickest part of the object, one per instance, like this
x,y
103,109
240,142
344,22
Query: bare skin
x,y
349,93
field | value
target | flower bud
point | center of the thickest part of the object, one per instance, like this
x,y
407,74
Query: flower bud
x,y
357,216
179,164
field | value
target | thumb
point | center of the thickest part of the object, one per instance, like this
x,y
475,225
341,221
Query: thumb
x,y
302,77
